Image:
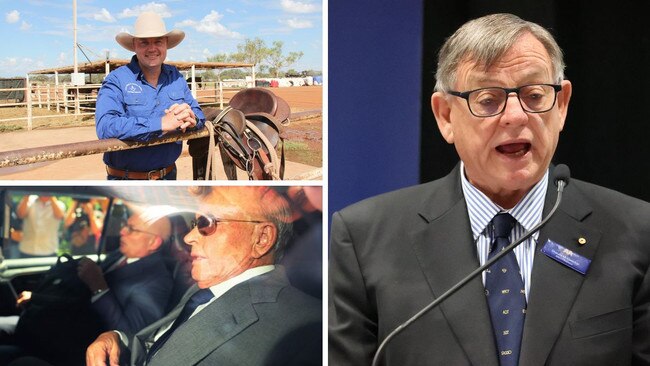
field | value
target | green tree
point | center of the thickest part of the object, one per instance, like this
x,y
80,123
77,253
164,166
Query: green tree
x,y
277,60
208,75
252,51
41,78
220,57
266,61
311,73
233,74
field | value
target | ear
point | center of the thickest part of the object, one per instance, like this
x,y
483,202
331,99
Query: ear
x,y
563,98
442,111
266,234
155,243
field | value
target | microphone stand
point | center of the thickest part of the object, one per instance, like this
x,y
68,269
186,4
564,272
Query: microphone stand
x,y
561,183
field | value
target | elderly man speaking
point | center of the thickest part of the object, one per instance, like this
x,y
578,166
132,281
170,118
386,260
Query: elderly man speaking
x,y
143,100
243,310
575,293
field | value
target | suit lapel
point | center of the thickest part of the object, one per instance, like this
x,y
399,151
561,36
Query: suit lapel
x,y
208,330
554,286
144,338
446,253
220,321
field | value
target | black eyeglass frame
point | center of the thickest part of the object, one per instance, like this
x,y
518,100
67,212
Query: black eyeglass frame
x,y
465,95
213,222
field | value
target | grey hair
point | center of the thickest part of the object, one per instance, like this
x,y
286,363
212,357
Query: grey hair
x,y
279,213
485,40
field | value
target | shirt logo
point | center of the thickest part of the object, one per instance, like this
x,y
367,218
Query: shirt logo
x,y
133,88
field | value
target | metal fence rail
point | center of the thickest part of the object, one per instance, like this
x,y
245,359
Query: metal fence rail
x,y
64,151
71,150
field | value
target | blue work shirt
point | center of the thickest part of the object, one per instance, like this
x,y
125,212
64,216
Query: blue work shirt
x,y
129,108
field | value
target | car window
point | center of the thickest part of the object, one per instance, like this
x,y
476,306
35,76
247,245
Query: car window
x,y
39,225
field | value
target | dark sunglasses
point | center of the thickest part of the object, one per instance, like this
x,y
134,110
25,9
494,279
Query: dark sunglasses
x,y
207,224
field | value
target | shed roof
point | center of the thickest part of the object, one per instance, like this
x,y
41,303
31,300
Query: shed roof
x,y
98,67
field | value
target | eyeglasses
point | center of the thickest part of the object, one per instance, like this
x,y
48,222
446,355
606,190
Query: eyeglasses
x,y
488,102
207,224
129,229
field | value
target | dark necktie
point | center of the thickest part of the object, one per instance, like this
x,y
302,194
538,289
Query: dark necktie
x,y
199,298
505,294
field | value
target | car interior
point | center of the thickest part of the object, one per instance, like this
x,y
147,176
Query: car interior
x,y
19,274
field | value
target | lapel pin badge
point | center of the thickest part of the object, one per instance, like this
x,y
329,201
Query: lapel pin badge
x,y
582,241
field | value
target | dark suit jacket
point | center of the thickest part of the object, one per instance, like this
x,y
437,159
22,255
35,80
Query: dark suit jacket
x,y
138,293
262,321
392,255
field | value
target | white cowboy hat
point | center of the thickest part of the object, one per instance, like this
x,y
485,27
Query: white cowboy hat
x,y
150,25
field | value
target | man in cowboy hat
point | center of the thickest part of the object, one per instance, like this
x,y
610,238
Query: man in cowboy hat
x,y
143,100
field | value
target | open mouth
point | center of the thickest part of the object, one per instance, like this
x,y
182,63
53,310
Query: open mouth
x,y
514,150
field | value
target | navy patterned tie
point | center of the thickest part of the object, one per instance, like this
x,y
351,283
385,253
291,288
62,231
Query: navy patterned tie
x,y
505,294
200,297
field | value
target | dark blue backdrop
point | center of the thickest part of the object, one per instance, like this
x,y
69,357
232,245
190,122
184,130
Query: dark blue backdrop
x,y
375,77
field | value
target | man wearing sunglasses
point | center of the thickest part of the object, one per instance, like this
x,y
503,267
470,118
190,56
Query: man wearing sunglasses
x,y
243,310
575,293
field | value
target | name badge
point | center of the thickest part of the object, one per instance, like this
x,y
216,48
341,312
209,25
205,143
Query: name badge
x,y
566,256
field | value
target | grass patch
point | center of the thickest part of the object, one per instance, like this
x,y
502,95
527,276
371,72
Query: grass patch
x,y
303,153
9,127
295,146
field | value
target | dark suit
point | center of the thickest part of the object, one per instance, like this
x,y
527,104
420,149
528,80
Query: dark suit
x,y
392,255
138,294
262,321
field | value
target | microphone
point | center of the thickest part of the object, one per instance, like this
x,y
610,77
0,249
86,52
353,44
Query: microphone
x,y
561,177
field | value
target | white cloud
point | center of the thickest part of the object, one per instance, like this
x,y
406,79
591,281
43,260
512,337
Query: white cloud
x,y
8,62
14,66
161,9
25,26
293,6
104,16
230,11
12,16
296,23
210,24
62,59
206,52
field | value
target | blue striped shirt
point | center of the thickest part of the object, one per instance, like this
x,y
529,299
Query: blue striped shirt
x,y
527,212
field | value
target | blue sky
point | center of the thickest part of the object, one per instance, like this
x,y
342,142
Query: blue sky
x,y
37,34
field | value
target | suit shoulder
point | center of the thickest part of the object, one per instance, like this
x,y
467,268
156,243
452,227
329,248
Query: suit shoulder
x,y
300,299
396,202
609,196
616,204
154,268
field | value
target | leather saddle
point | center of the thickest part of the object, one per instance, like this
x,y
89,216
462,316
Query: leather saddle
x,y
247,135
